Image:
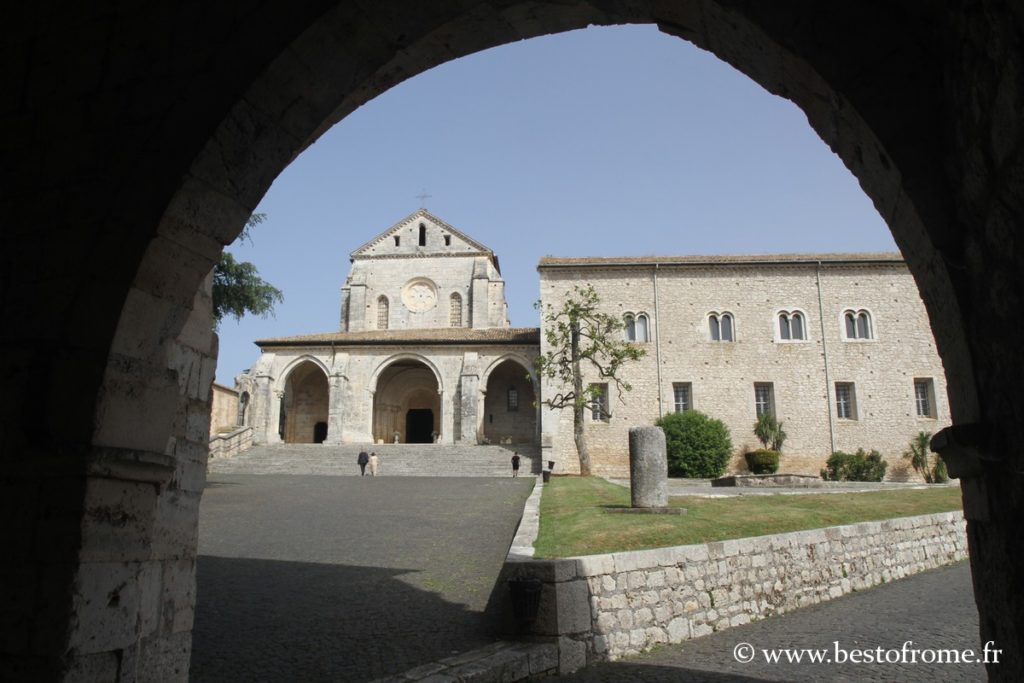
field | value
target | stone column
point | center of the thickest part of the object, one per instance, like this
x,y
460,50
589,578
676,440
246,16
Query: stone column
x,y
470,382
648,467
336,406
261,405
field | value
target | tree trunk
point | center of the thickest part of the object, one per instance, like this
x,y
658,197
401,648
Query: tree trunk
x,y
577,410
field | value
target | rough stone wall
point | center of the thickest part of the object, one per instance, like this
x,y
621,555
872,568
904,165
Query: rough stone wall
x,y
609,606
722,374
223,410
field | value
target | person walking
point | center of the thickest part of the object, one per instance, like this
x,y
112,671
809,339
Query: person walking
x,y
362,460
374,464
515,463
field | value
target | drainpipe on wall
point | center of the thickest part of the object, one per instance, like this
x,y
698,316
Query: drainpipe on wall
x,y
824,353
657,342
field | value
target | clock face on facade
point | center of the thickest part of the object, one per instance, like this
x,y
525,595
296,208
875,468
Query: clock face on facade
x,y
419,296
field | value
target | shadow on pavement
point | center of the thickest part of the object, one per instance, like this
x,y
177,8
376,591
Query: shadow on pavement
x,y
270,620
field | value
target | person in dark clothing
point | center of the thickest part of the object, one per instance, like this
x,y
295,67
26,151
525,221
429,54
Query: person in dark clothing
x,y
362,460
515,464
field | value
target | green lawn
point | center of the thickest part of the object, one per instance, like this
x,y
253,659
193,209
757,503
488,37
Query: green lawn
x,y
574,519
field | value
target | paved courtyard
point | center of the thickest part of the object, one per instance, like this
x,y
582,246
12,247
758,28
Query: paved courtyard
x,y
934,610
305,578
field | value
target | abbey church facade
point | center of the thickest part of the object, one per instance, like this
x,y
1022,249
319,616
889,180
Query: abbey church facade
x,y
837,346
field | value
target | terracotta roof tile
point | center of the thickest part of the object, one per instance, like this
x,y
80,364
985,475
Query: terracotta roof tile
x,y
444,335
750,259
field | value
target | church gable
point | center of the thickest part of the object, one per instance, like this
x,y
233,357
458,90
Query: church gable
x,y
421,234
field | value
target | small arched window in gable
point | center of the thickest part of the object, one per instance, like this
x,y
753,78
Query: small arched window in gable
x,y
398,240
455,315
382,312
791,326
423,235
858,324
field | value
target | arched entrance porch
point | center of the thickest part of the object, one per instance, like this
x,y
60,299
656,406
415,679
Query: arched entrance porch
x,y
509,415
303,415
406,403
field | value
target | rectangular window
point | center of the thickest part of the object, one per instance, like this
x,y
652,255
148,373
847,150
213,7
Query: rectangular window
x,y
513,400
764,398
681,391
924,397
846,397
599,403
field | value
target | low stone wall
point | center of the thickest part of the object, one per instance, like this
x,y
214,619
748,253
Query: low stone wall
x,y
231,444
606,606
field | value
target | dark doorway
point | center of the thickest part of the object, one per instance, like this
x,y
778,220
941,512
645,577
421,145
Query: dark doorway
x,y
319,432
419,425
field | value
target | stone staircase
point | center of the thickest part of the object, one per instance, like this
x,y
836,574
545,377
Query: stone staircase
x,y
396,460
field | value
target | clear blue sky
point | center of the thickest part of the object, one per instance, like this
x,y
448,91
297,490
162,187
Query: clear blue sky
x,y
607,141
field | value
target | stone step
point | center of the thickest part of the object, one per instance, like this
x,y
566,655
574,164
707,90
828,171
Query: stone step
x,y
437,460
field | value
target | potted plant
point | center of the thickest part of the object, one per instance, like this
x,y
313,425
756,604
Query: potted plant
x,y
769,432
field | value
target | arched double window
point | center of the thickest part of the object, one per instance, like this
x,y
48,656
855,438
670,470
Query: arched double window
x,y
637,327
720,327
455,314
792,326
382,312
857,324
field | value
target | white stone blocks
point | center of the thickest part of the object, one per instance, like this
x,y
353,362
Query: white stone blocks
x,y
629,602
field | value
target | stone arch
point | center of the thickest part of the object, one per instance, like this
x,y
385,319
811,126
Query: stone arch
x,y
407,404
305,399
928,132
508,412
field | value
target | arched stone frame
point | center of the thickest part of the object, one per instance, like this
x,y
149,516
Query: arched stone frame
x,y
872,324
446,421
950,219
485,378
718,315
279,385
790,310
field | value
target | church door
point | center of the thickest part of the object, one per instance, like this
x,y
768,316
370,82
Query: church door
x,y
419,425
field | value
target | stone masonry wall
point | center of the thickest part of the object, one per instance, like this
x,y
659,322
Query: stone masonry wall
x,y
607,606
721,375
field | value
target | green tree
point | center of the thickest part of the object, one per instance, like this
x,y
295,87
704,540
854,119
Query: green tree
x,y
237,286
580,336
697,446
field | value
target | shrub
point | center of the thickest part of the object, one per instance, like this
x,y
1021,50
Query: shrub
x,y
763,461
698,446
859,466
769,432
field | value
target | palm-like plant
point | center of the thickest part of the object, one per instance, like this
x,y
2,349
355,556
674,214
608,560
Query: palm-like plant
x,y
769,432
920,449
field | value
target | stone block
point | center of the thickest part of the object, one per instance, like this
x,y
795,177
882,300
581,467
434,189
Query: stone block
x,y
572,655
648,467
102,666
106,602
594,565
543,658
118,520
